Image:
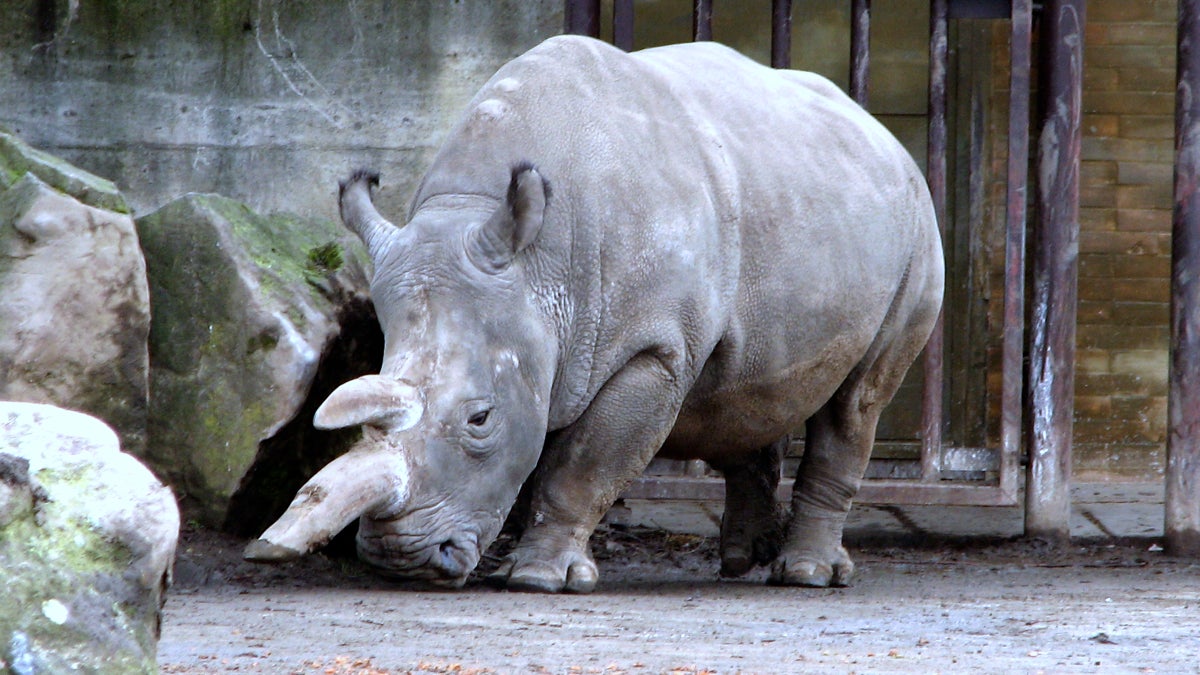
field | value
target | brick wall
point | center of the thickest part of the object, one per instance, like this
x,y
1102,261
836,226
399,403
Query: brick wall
x,y
1125,242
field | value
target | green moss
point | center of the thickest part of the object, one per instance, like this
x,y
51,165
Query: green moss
x,y
264,341
326,258
61,558
285,247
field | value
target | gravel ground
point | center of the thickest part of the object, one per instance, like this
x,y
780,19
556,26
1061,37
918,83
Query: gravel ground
x,y
945,606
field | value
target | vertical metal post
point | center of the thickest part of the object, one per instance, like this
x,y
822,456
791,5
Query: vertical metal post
x,y
781,33
701,20
1012,349
623,24
582,17
1182,524
935,174
860,50
1055,265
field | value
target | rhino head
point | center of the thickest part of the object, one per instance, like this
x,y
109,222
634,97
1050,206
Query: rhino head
x,y
455,421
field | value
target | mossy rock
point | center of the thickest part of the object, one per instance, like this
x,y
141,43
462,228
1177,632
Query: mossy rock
x,y
76,313
244,307
17,158
87,539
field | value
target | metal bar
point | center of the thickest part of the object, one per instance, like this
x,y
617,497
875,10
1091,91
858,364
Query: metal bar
x,y
701,20
622,23
935,174
872,492
1012,350
582,17
979,9
1055,264
781,33
860,50
1182,496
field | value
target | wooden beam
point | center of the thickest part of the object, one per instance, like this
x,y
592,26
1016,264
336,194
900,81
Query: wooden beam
x,y
1182,523
1050,397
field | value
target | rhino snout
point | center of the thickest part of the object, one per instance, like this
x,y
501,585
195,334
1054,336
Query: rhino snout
x,y
393,551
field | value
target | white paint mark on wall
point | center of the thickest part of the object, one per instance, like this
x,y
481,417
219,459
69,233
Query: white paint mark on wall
x,y
293,71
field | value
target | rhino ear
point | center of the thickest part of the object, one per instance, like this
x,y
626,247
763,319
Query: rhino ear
x,y
515,225
374,400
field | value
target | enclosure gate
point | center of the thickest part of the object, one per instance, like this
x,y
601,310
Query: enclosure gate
x,y
931,481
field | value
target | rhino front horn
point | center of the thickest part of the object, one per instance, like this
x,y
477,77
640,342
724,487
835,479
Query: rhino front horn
x,y
364,480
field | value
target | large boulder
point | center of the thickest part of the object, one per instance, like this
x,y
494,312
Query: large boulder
x,y
76,313
87,539
255,317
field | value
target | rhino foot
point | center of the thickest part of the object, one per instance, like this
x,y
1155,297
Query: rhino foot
x,y
744,548
812,570
571,572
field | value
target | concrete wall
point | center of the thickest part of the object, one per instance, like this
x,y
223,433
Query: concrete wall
x,y
265,101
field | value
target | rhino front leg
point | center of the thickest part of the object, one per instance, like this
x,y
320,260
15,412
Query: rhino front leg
x,y
584,468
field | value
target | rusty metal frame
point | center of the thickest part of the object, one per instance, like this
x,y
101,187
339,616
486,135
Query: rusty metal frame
x,y
582,17
689,480
781,33
1013,341
935,174
701,20
860,51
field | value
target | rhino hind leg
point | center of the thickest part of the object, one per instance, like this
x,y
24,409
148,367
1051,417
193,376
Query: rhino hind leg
x,y
835,457
839,437
752,526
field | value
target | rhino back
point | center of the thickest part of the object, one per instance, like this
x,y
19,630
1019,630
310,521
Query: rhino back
x,y
714,201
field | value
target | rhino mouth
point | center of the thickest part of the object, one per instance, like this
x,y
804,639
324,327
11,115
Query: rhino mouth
x,y
444,561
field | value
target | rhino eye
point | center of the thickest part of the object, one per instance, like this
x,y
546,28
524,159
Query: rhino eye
x,y
479,419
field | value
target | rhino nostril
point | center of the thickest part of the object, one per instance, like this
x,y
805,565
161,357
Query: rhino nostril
x,y
450,559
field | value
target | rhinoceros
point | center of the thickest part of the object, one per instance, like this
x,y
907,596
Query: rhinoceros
x,y
675,252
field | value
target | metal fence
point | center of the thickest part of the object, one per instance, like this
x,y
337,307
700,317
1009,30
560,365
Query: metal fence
x,y
1037,401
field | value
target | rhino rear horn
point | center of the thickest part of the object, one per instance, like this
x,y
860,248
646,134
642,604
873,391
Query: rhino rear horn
x,y
359,214
374,400
516,223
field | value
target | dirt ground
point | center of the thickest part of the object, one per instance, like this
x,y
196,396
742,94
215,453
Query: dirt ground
x,y
1002,607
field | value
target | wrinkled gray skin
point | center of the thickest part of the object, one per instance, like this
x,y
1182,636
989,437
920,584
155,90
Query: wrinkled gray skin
x,y
708,254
